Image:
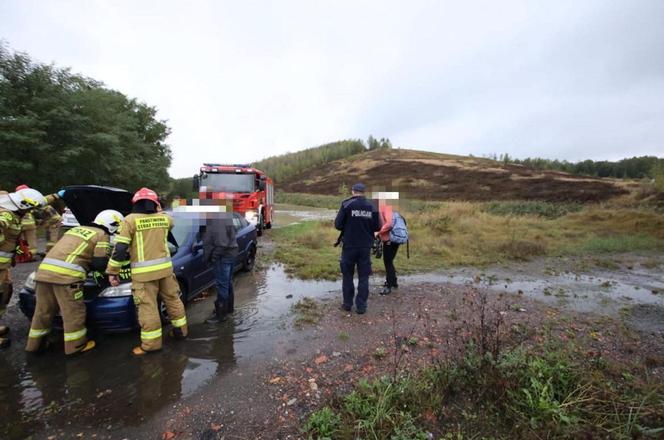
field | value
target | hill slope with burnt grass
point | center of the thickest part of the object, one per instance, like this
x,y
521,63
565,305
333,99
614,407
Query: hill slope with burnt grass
x,y
433,176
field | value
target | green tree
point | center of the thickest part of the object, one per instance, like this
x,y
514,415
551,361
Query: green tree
x,y
58,129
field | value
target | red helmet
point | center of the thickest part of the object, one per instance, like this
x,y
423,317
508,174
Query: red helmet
x,y
20,187
145,194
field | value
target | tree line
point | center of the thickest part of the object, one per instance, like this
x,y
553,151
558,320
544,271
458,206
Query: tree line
x,y
58,128
629,168
282,167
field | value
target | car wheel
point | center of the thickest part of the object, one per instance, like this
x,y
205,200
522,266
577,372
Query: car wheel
x,y
250,261
163,314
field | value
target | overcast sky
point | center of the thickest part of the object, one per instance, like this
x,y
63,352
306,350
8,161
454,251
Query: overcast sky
x,y
241,80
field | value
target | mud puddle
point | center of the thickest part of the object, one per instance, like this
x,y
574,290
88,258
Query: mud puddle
x,y
568,283
110,389
286,214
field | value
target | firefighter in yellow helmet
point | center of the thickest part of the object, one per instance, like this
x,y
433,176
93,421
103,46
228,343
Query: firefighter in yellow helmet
x,y
60,279
46,217
12,207
143,239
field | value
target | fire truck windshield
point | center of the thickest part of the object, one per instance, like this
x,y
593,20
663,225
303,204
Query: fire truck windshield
x,y
220,182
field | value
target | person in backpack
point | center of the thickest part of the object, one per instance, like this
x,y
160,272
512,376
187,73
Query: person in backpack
x,y
390,248
357,220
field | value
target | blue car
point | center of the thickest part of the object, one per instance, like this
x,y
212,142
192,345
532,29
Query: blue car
x,y
111,309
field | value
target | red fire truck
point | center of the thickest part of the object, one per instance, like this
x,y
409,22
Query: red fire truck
x,y
251,190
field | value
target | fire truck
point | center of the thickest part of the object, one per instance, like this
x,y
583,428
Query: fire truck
x,y
251,190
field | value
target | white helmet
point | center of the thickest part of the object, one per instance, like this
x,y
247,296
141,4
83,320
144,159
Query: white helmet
x,y
23,200
110,219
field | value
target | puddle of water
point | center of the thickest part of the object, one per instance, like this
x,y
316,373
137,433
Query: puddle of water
x,y
109,386
290,214
600,291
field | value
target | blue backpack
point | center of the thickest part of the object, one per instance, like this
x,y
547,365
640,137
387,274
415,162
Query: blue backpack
x,y
399,231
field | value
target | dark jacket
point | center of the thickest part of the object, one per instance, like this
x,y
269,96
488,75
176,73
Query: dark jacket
x,y
357,219
219,242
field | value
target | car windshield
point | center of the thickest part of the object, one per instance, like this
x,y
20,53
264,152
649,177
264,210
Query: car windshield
x,y
182,226
220,182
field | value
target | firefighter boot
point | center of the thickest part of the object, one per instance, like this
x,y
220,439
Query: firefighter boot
x,y
89,345
219,314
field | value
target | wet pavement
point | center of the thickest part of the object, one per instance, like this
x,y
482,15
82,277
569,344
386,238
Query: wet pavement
x,y
111,390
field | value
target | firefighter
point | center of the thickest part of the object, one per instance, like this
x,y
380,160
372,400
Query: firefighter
x,y
357,220
12,207
60,280
29,228
47,218
143,241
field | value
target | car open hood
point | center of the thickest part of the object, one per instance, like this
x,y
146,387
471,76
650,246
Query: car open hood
x,y
86,201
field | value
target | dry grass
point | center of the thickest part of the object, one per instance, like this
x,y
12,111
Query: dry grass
x,y
464,233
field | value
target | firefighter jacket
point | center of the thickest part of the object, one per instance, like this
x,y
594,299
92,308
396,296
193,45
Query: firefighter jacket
x,y
10,229
143,241
78,251
28,222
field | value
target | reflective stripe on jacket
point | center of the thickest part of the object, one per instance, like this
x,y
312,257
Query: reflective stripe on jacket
x,y
10,229
143,239
69,260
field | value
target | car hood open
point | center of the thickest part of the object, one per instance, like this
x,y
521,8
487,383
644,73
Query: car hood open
x,y
86,201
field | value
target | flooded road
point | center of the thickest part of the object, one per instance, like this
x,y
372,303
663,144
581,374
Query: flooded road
x,y
110,390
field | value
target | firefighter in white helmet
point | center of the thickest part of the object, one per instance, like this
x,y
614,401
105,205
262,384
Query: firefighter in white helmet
x,y
13,206
60,279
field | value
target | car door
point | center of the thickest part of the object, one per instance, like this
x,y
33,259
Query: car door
x,y
239,223
203,274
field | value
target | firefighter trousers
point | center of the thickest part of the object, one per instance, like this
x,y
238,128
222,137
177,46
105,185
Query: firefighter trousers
x,y
6,289
145,297
30,235
69,299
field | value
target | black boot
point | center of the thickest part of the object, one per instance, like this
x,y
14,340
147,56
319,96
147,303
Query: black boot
x,y
219,314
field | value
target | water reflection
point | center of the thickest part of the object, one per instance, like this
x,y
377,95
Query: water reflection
x,y
108,386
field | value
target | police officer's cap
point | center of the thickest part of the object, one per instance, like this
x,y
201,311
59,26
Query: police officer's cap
x,y
359,187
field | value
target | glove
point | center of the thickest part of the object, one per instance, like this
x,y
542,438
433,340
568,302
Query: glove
x,y
61,193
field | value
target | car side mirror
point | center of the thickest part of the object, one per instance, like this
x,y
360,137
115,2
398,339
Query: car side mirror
x,y
261,185
196,247
196,182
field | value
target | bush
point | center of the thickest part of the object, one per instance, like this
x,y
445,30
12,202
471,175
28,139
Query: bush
x,y
537,208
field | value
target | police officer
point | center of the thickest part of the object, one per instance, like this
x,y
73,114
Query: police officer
x,y
357,220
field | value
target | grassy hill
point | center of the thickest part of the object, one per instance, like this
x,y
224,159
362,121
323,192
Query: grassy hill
x,y
434,176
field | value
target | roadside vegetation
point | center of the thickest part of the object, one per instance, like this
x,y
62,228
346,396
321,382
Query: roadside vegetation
x,y
542,392
446,234
498,380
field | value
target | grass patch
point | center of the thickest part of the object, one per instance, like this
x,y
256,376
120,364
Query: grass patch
x,y
307,312
465,234
518,394
614,244
313,200
535,208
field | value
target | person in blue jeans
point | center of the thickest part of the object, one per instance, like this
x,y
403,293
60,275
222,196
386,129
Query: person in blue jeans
x,y
220,250
357,220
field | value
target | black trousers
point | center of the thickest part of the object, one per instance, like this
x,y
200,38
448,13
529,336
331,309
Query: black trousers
x,y
389,252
